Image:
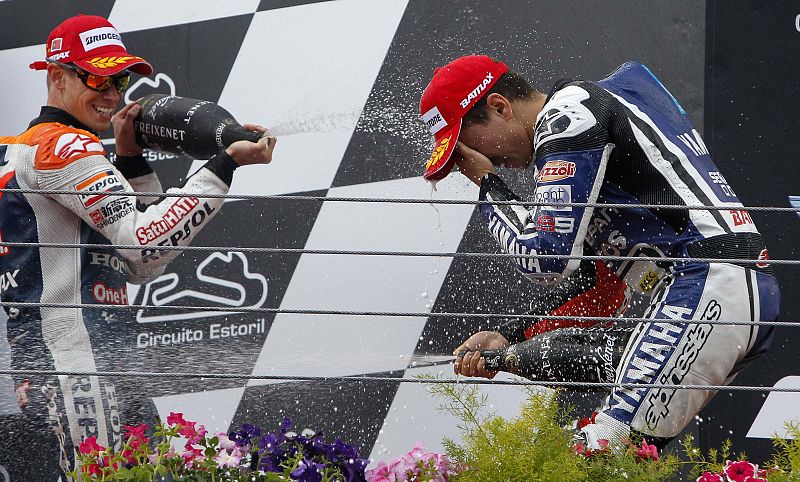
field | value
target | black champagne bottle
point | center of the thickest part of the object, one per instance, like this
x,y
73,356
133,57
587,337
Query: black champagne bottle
x,y
189,127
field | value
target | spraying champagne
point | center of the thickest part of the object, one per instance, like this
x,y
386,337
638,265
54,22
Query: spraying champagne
x,y
190,127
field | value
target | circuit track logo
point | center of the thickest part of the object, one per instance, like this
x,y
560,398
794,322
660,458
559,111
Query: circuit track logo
x,y
154,83
221,280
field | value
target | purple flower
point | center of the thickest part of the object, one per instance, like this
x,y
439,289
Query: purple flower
x,y
308,471
286,425
245,435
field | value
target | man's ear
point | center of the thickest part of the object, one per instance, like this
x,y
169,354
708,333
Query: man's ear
x,y
500,105
55,75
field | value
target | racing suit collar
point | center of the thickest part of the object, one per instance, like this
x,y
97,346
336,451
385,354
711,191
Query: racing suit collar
x,y
560,84
54,114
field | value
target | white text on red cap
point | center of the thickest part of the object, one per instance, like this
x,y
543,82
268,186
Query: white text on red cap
x,y
477,91
434,120
100,37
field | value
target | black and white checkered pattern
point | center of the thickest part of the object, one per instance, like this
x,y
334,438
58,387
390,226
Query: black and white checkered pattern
x,y
348,75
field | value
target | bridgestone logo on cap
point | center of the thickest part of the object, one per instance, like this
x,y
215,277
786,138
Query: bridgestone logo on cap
x,y
100,37
477,91
434,120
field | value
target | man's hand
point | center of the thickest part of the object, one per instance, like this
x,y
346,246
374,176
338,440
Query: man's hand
x,y
472,163
472,364
124,136
245,152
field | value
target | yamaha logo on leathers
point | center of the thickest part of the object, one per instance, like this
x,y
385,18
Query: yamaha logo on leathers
x,y
659,400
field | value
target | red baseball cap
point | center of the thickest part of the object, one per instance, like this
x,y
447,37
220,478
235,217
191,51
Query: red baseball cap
x,y
93,44
451,93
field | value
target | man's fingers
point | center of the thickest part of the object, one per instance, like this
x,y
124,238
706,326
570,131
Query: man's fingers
x,y
132,108
255,127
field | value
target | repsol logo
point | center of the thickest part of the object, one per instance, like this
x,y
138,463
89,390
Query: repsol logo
x,y
177,237
477,91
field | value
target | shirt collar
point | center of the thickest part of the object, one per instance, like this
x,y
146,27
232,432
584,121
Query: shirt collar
x,y
54,114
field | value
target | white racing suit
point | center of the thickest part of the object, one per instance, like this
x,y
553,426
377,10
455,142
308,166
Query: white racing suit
x,y
57,153
626,140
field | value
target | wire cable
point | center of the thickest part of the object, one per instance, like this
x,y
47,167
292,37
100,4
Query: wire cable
x,y
416,254
290,197
373,378
416,314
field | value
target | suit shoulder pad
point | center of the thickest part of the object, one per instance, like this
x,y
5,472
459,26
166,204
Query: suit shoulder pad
x,y
564,115
60,145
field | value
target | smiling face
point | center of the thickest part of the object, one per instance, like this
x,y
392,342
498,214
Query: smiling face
x,y
504,136
93,109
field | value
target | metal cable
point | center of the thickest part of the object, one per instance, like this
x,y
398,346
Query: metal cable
x,y
373,378
254,197
415,254
417,314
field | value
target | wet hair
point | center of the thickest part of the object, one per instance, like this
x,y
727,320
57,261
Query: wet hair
x,y
510,85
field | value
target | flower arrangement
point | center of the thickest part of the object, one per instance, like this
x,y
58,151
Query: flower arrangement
x,y
536,445
244,455
418,465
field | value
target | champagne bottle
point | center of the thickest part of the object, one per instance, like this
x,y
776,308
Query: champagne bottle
x,y
189,127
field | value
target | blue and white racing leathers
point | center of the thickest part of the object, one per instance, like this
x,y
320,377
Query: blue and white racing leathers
x,y
626,140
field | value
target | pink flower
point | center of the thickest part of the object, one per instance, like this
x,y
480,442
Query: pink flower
x,y
709,477
225,459
91,469
136,432
740,471
647,452
176,418
193,455
90,446
224,442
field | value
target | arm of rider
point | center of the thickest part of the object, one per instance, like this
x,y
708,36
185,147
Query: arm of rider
x,y
472,163
472,364
171,221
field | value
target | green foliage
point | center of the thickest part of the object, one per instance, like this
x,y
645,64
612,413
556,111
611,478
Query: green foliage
x,y
533,446
786,456
699,462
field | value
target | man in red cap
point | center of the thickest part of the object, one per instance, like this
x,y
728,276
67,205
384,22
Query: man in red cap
x,y
88,69
593,290
596,147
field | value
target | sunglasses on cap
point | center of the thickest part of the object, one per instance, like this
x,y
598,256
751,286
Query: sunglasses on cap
x,y
99,83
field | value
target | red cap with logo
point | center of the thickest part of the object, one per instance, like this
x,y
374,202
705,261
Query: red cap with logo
x,y
452,92
94,45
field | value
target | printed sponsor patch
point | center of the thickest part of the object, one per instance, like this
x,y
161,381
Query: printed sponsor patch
x,y
72,144
179,210
763,256
556,171
100,37
55,45
557,224
97,184
477,91
649,281
434,120
557,194
102,293
741,217
111,212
